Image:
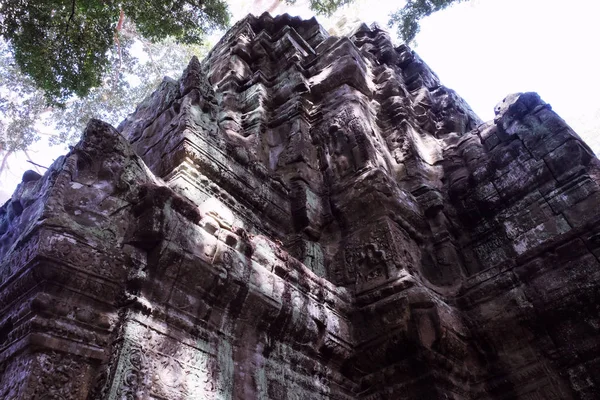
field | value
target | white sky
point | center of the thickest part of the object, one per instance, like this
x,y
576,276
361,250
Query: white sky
x,y
483,49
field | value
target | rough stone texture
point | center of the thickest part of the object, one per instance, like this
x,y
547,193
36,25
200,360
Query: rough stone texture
x,y
307,217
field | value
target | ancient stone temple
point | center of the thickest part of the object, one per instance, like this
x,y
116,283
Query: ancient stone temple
x,y
302,216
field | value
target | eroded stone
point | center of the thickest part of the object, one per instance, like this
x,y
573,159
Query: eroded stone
x,y
306,217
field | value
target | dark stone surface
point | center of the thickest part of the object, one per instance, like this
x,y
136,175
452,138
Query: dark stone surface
x,y
307,217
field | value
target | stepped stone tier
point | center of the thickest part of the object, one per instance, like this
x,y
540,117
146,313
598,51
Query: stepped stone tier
x,y
302,216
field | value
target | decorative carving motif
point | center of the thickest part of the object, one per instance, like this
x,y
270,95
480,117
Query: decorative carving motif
x,y
372,264
56,377
134,374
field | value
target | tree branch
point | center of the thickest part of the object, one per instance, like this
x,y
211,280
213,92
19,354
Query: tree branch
x,y
36,164
273,6
4,160
62,46
70,17
117,32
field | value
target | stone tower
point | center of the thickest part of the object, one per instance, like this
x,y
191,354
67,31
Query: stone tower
x,y
307,217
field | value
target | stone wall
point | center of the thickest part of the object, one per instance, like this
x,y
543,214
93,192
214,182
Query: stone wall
x,y
302,216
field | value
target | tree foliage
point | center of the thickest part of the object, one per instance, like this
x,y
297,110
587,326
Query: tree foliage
x,y
25,116
324,7
408,18
21,103
125,85
327,7
63,45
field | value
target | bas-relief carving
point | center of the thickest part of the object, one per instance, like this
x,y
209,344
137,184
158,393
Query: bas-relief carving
x,y
305,216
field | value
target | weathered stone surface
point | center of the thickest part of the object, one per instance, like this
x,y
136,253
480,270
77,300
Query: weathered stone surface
x,y
307,217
